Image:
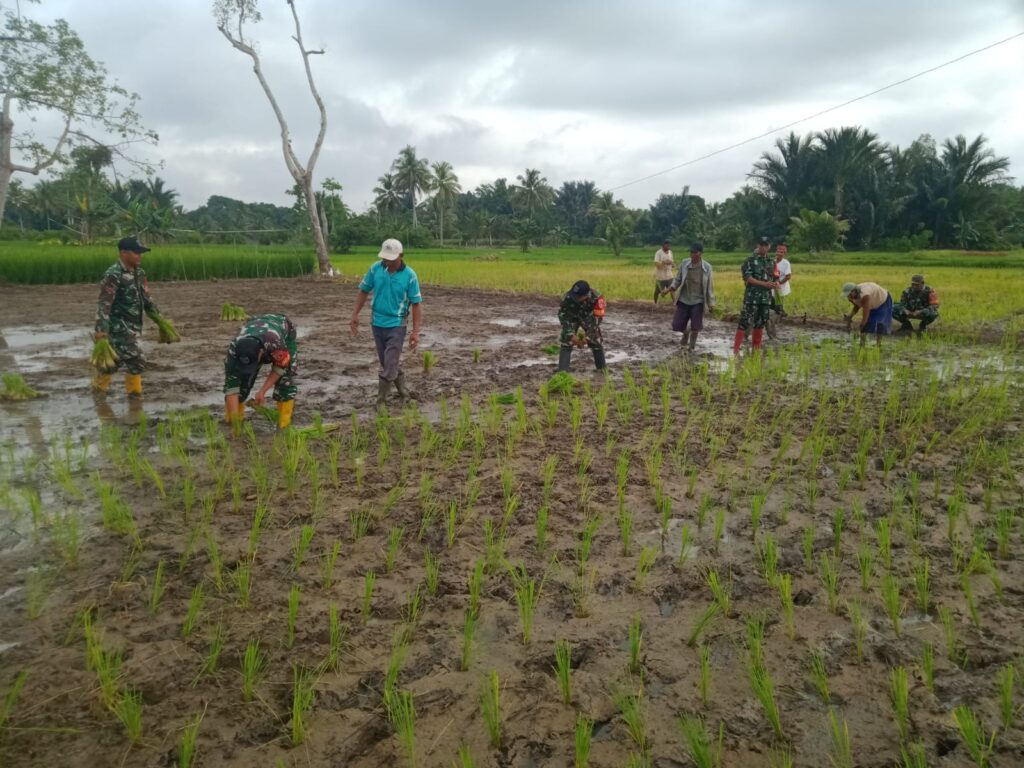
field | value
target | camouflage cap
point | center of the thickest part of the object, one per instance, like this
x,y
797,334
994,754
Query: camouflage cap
x,y
246,354
917,279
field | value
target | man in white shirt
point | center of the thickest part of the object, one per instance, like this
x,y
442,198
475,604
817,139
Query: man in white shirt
x,y
664,270
783,274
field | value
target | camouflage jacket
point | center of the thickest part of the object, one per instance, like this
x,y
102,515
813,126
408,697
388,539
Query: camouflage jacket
x,y
276,334
124,299
915,300
574,313
759,268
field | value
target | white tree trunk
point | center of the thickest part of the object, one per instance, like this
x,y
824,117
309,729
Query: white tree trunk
x,y
7,166
303,175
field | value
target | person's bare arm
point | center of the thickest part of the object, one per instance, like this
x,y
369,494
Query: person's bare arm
x,y
272,378
354,322
417,319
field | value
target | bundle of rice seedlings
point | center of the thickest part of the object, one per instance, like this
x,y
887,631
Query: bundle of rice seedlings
x,y
561,383
15,388
229,311
103,357
270,414
167,332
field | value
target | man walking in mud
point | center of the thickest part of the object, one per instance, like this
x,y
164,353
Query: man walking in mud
x,y
263,339
396,293
757,273
124,299
580,314
696,293
664,270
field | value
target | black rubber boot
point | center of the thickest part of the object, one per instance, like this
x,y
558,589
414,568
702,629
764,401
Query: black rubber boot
x,y
404,391
599,359
383,387
564,356
693,341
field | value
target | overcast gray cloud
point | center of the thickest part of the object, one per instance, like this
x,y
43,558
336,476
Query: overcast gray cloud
x,y
608,91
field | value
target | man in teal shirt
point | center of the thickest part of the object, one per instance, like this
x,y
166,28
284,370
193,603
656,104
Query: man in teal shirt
x,y
396,292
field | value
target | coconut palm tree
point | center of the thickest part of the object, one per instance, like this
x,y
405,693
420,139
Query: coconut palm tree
x,y
785,176
532,193
845,153
412,176
446,191
387,197
615,219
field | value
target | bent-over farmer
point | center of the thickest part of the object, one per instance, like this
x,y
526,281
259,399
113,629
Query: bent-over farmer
x,y
876,305
396,293
263,339
918,302
696,293
581,310
124,299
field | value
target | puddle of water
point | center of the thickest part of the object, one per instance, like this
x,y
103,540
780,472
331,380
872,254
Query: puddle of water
x,y
506,322
35,336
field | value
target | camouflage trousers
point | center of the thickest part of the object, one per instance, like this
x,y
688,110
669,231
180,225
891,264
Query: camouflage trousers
x,y
590,327
129,352
927,316
754,315
284,389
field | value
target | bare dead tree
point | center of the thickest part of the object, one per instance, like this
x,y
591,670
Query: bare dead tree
x,y
231,17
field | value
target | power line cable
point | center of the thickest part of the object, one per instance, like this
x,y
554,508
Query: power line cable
x,y
819,114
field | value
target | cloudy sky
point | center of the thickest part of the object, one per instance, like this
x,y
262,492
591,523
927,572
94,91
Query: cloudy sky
x,y
601,90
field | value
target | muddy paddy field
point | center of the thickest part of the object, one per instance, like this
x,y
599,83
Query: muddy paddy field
x,y
810,559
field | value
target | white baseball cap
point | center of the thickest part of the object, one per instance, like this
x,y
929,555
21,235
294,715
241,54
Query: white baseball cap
x,y
390,249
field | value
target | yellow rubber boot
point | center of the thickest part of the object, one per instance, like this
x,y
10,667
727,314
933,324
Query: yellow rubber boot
x,y
237,416
101,382
133,384
284,413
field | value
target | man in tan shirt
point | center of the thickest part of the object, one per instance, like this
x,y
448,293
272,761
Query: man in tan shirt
x,y
664,270
876,304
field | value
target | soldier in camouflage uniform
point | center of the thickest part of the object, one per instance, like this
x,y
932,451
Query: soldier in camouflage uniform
x,y
263,339
581,308
758,275
918,301
124,299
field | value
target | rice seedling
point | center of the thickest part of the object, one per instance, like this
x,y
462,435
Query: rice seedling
x,y
213,554
972,733
684,545
336,637
187,745
293,613
785,586
253,665
719,529
563,669
527,595
807,546
913,756
972,605
11,698
955,651
1007,710
764,691
106,663
369,579
302,702
648,557
582,736
829,573
841,753
698,743
432,570
630,706
928,666
229,311
756,511
465,757
218,638
704,683
899,698
703,622
301,546
768,555
128,710
819,676
721,590
402,713
429,360
394,542
780,757
866,563
195,604
892,601
327,563
490,708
